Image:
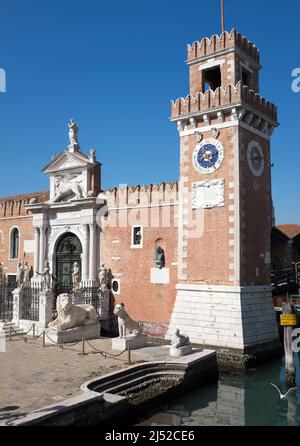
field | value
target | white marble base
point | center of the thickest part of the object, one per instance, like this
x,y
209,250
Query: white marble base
x,y
132,341
224,316
181,351
85,332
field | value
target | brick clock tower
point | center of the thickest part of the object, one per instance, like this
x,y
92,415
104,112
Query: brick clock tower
x,y
224,297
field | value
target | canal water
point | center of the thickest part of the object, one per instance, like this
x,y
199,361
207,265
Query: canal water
x,y
236,400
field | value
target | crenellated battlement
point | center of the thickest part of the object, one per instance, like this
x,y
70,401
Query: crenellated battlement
x,y
143,195
221,97
15,206
226,40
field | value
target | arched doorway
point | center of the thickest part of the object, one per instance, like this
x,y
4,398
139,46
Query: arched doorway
x,y
68,252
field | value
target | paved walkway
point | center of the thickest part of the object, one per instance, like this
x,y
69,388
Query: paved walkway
x,y
32,377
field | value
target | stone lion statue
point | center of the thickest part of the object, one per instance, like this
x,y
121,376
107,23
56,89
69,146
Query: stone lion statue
x,y
179,340
126,323
70,315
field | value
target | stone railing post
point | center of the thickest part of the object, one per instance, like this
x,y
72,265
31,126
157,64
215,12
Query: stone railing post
x,y
45,308
17,305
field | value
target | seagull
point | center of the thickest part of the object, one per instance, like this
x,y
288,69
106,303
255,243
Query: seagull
x,y
282,396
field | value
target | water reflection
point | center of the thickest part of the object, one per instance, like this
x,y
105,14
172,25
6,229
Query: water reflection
x,y
240,400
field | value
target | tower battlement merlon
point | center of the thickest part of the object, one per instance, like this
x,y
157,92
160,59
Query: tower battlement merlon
x,y
143,195
229,97
217,44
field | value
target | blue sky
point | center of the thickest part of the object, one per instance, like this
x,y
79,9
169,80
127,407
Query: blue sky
x,y
114,66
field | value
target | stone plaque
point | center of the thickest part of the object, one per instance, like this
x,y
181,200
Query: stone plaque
x,y
208,194
161,276
29,246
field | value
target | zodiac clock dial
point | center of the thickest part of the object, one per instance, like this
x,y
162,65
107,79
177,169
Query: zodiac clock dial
x,y
256,159
208,156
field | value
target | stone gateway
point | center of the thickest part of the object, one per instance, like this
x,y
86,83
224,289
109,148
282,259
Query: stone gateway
x,y
192,255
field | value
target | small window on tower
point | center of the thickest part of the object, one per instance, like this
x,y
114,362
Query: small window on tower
x,y
137,237
246,77
212,78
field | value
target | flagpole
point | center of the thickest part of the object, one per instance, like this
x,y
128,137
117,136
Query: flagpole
x,y
223,15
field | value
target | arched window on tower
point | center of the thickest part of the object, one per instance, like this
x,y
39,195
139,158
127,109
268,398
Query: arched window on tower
x,y
14,243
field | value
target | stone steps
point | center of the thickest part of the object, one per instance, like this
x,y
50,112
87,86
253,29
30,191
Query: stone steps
x,y
9,327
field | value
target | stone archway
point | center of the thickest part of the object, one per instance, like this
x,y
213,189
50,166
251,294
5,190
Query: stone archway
x,y
68,251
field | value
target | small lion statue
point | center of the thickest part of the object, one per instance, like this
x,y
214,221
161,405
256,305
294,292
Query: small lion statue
x,y
126,323
70,315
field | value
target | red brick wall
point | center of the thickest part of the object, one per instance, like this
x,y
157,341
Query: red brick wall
x,y
208,255
256,214
144,301
14,214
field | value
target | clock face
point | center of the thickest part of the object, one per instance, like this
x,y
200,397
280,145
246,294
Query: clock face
x,y
208,156
256,159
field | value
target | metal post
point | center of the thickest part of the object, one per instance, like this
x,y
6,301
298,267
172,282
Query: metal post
x,y
33,330
222,16
83,352
44,338
129,355
10,332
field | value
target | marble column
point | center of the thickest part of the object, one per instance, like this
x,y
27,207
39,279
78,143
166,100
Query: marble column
x,y
36,250
92,254
42,247
85,253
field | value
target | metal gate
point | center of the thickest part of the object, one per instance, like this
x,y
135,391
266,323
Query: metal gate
x,y
6,301
30,302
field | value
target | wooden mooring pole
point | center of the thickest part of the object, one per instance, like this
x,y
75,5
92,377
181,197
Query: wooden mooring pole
x,y
289,321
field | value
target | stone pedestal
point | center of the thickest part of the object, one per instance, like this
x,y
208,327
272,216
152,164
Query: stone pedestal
x,y
17,305
224,316
181,351
45,308
134,342
76,334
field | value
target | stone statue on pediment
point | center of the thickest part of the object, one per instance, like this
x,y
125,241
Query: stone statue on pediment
x,y
26,272
160,260
76,277
73,133
105,277
46,277
20,275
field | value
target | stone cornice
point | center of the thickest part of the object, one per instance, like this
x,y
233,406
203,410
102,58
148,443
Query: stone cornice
x,y
75,205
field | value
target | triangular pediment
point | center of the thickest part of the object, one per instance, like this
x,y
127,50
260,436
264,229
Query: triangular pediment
x,y
66,161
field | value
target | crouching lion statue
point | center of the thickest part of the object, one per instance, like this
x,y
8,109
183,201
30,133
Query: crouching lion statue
x,y
126,323
70,315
